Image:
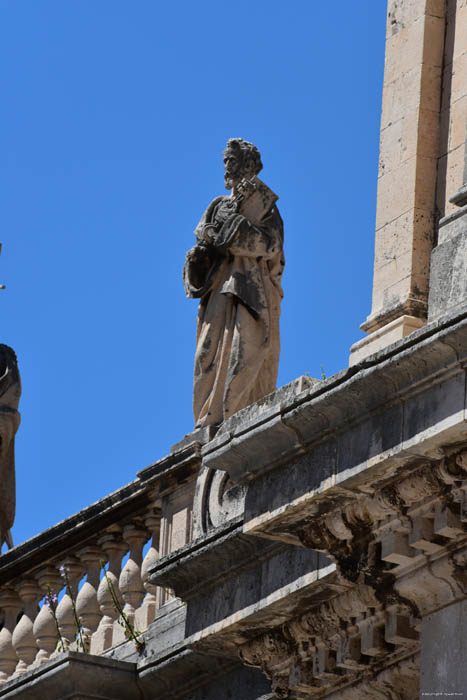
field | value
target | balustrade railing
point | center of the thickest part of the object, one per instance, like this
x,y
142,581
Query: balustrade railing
x,y
32,633
66,588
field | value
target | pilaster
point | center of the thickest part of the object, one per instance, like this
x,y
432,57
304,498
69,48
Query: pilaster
x,y
448,275
409,150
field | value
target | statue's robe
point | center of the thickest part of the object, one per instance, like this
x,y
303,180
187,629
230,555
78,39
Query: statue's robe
x,y
10,392
237,275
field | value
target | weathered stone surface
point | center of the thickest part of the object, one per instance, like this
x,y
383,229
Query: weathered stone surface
x,y
448,279
73,676
193,568
199,436
235,269
366,468
422,171
217,501
401,681
232,582
244,683
292,428
451,171
164,636
374,539
448,273
318,535
393,331
444,651
460,197
194,676
409,152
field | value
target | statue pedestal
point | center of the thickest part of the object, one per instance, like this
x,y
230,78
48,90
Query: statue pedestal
x,y
448,271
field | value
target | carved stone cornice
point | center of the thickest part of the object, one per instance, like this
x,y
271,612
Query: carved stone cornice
x,y
273,432
344,640
403,551
197,566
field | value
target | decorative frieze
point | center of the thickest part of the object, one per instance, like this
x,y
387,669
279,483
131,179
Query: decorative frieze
x,y
403,549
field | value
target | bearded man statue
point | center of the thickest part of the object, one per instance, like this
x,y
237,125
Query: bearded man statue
x,y
235,269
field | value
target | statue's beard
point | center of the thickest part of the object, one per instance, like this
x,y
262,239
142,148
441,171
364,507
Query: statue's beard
x,y
231,179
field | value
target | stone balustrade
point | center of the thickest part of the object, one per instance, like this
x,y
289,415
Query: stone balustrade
x,y
80,566
29,635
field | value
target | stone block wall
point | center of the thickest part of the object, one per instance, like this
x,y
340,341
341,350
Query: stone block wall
x,y
453,118
421,167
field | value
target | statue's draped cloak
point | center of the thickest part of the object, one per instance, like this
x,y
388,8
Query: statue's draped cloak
x,y
237,275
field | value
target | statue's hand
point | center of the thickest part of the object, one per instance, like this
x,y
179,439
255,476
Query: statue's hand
x,y
208,234
245,188
227,208
200,253
196,253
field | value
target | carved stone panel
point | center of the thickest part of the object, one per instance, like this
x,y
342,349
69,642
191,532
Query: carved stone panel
x,y
217,500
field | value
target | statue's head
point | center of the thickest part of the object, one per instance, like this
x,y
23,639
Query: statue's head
x,y
241,159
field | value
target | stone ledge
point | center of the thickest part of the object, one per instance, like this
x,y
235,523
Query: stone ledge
x,y
451,225
413,306
460,198
129,501
73,675
200,677
198,567
285,431
381,338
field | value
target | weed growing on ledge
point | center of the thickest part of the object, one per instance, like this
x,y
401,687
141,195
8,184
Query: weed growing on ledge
x,y
81,638
131,632
51,600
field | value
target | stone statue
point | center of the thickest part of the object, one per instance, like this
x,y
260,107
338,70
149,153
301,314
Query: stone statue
x,y
235,269
10,392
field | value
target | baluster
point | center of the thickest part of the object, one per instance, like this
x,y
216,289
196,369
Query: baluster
x,y
146,614
114,549
86,603
11,605
23,639
45,627
130,581
64,612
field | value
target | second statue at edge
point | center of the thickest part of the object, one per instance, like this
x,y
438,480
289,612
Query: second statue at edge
x,y
235,269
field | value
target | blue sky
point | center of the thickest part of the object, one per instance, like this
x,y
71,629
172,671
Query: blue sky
x,y
114,117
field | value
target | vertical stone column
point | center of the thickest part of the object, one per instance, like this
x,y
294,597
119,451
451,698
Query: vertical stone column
x,y
453,109
114,549
448,275
87,606
409,150
10,604
146,614
176,525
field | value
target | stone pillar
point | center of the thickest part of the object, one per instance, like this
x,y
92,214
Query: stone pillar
x,y
176,525
409,151
448,274
453,109
448,277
